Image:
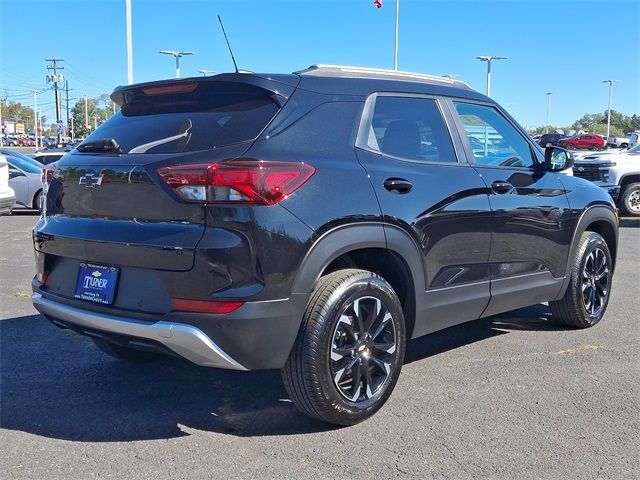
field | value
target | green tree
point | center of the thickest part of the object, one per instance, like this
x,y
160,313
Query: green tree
x,y
17,113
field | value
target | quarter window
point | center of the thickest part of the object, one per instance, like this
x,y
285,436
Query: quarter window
x,y
410,128
494,141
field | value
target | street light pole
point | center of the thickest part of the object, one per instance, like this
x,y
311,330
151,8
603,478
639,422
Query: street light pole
x,y
488,59
177,55
129,42
548,94
610,82
395,49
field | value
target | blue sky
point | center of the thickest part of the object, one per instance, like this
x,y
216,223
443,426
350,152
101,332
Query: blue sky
x,y
566,46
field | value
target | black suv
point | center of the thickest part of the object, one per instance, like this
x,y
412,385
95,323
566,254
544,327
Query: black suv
x,y
550,139
313,222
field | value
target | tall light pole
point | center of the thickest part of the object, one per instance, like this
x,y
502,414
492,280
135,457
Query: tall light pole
x,y
489,59
610,82
129,42
395,49
204,72
177,55
548,94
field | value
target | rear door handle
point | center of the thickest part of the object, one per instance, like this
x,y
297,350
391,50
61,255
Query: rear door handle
x,y
500,186
400,185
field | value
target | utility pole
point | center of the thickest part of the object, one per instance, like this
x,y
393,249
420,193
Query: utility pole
x,y
610,82
35,115
66,90
55,78
86,113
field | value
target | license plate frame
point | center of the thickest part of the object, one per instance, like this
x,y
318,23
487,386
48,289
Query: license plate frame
x,y
96,283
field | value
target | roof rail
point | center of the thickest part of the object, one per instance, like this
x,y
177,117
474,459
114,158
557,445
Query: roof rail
x,y
377,71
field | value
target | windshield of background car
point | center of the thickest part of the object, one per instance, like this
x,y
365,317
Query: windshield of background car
x,y
188,117
24,165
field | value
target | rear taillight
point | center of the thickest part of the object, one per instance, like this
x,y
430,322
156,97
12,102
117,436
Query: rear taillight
x,y
249,182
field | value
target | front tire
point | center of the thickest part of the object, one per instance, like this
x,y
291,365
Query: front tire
x,y
570,146
630,199
596,148
587,296
350,348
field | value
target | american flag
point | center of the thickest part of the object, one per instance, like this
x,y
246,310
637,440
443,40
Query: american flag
x,y
377,3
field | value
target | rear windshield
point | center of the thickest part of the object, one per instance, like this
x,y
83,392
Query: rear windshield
x,y
187,117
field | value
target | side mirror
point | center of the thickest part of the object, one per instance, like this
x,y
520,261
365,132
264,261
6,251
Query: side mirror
x,y
14,172
557,159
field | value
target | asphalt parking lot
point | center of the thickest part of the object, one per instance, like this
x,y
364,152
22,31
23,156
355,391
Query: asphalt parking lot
x,y
509,397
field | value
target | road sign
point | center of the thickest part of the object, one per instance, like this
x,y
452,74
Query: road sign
x,y
60,127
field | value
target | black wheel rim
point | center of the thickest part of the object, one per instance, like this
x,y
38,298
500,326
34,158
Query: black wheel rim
x,y
363,349
595,282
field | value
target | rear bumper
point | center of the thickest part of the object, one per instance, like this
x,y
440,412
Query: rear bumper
x,y
185,340
259,335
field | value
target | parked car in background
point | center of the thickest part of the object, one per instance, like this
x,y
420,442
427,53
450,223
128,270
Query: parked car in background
x,y
51,155
10,141
7,195
586,141
618,142
25,178
550,139
618,173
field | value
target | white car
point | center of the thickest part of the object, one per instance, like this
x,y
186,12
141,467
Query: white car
x,y
7,195
25,177
618,173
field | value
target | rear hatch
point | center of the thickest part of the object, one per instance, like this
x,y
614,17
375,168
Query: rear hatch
x,y
106,202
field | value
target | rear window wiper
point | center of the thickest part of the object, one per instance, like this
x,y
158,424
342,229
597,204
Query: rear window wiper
x,y
100,146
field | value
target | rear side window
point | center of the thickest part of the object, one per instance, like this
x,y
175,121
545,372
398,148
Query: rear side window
x,y
409,128
188,117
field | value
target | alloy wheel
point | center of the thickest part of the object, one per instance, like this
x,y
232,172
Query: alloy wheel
x,y
595,281
363,349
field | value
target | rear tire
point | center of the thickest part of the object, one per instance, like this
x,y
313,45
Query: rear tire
x,y
350,348
587,296
596,148
129,355
570,146
630,199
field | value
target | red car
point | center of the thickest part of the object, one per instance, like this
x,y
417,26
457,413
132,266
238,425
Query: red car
x,y
591,142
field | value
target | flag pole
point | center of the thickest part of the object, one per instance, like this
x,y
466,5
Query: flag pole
x,y
395,54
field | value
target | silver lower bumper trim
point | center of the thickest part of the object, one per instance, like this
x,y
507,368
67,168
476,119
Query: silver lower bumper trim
x,y
185,340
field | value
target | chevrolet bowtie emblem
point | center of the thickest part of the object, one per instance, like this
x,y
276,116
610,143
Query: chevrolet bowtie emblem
x,y
90,180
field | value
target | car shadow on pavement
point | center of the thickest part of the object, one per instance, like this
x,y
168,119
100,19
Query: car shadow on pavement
x,y
65,388
534,318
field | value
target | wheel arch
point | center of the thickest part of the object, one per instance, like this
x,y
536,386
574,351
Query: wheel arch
x,y
381,248
627,179
600,219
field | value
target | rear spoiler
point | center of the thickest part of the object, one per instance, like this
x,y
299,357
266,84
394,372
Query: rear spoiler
x,y
281,85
